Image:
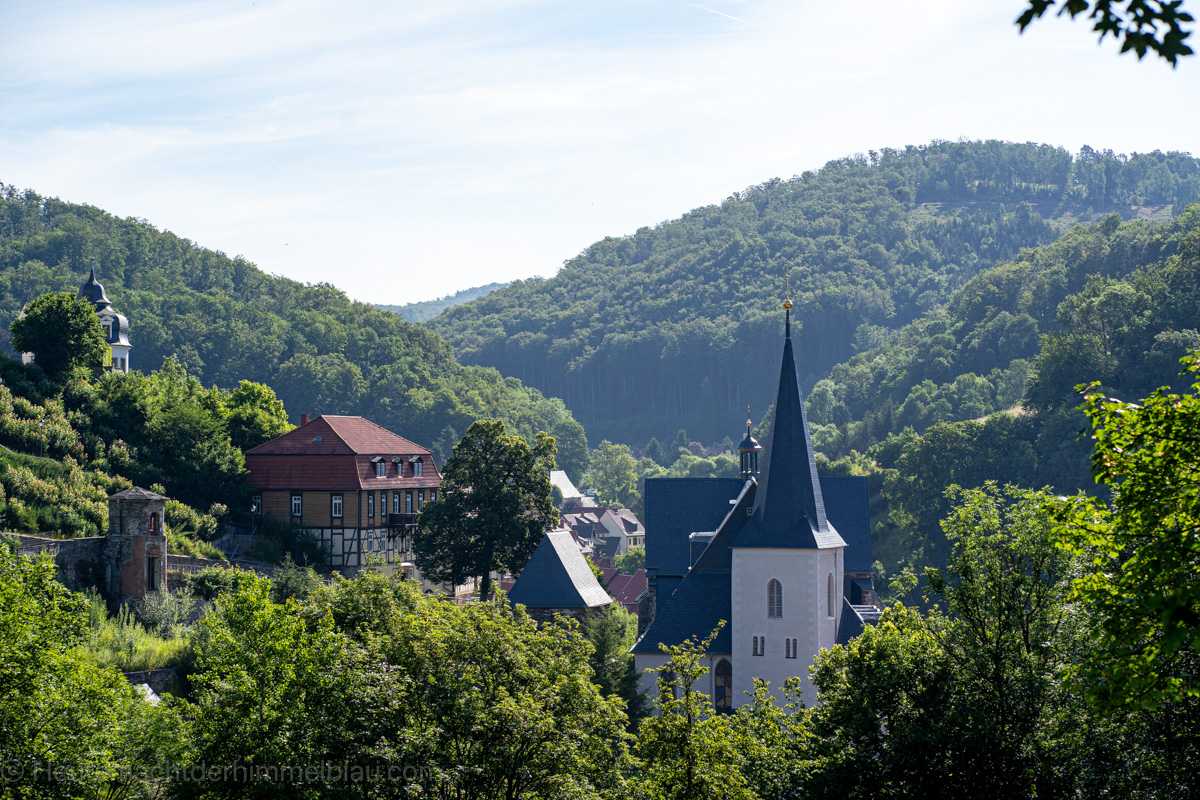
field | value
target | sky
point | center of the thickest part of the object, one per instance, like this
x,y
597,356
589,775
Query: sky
x,y
403,151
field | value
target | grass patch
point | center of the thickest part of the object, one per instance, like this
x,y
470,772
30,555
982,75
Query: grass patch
x,y
123,642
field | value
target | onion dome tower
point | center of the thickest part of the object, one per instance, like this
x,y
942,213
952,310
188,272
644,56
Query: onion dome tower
x,y
748,451
115,326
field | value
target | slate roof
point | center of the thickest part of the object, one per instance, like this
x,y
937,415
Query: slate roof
x,y
330,435
788,509
92,290
558,576
677,507
847,507
850,625
137,494
559,478
702,600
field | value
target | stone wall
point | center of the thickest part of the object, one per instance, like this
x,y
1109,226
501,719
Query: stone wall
x,y
81,562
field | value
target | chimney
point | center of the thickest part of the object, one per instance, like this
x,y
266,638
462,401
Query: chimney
x,y
304,419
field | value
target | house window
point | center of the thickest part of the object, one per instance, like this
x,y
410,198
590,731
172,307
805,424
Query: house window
x,y
790,646
395,502
420,499
370,541
418,468
116,363
760,646
335,505
774,599
829,596
371,505
296,506
432,495
723,686
380,469
382,505
408,502
256,504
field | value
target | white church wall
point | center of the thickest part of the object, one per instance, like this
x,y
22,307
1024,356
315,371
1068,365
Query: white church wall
x,y
803,575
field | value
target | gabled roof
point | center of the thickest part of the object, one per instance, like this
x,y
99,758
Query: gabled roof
x,y
678,507
788,508
847,505
559,478
329,435
558,576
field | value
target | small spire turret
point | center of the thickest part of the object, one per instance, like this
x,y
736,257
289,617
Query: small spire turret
x,y
748,450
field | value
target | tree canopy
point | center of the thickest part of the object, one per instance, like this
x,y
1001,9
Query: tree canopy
x,y
63,332
495,505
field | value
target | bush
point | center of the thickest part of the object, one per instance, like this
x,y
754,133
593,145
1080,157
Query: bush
x,y
164,613
211,582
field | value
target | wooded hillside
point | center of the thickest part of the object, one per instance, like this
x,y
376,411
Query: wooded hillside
x,y
676,325
225,320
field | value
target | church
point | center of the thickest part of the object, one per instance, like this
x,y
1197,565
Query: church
x,y
782,556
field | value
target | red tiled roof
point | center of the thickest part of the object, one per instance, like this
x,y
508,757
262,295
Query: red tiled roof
x,y
339,436
331,472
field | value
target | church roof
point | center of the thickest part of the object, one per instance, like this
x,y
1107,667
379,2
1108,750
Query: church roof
x,y
678,507
847,505
329,435
789,510
558,576
702,600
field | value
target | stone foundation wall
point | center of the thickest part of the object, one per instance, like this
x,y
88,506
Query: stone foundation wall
x,y
81,562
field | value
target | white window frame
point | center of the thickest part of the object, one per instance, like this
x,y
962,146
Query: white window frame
x,y
297,505
380,469
775,604
336,506
418,468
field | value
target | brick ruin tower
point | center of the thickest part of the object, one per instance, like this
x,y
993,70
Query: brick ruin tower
x,y
136,547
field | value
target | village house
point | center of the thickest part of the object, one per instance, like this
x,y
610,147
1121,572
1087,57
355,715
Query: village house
x,y
353,484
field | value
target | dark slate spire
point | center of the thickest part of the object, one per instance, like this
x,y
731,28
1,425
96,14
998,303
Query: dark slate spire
x,y
93,291
788,508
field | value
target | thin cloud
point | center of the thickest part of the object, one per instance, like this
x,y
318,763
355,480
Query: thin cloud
x,y
719,13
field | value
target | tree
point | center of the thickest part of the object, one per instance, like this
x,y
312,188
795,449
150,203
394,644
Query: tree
x,y
68,727
631,560
63,332
612,633
255,416
494,507
1144,25
654,452
1144,548
688,750
613,474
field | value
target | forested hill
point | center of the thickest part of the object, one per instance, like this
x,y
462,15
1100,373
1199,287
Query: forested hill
x,y
677,325
428,309
226,320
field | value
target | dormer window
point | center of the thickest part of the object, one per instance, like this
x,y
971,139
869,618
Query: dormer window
x,y
417,466
380,467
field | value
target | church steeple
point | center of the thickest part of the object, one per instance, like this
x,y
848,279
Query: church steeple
x,y
788,508
748,451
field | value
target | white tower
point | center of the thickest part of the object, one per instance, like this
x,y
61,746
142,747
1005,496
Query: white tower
x,y
115,326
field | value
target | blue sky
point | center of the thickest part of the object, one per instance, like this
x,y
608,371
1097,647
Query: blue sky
x,y
407,150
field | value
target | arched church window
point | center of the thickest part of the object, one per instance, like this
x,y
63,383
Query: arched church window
x,y
829,596
774,599
723,686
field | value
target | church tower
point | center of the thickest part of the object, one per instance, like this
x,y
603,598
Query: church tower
x,y
115,326
787,567
748,452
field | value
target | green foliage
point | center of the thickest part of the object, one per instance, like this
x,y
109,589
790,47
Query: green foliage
x,y
291,580
226,321
613,475
688,751
416,695
1142,26
68,726
255,415
1144,550
63,332
211,582
493,509
631,560
676,325
124,643
612,633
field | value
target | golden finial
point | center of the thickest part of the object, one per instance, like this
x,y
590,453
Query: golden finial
x,y
748,422
787,303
